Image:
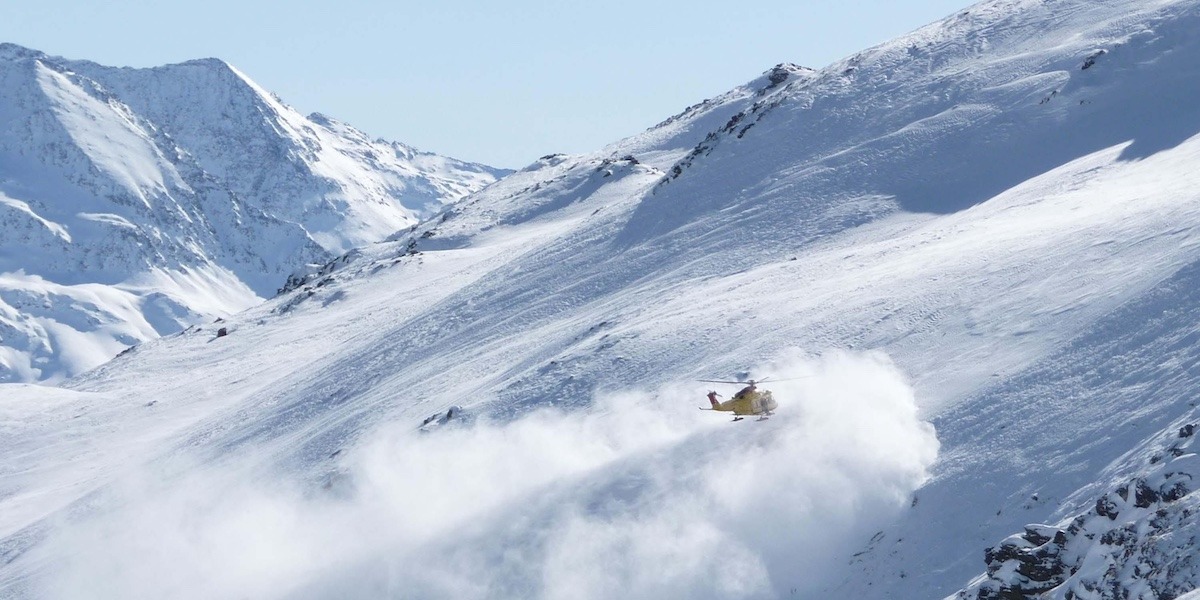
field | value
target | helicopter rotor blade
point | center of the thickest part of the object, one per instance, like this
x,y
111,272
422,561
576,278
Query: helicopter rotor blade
x,y
753,381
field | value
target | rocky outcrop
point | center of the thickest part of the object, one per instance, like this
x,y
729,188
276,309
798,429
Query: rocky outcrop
x,y
1137,541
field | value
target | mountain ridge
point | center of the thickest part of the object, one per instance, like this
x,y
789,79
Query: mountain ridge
x,y
118,176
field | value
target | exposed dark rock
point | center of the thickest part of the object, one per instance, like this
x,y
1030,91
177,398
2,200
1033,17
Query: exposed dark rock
x,y
1107,508
778,75
1090,61
1138,540
1143,495
1176,491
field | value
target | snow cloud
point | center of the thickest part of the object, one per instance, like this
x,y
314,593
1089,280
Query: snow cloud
x,y
640,495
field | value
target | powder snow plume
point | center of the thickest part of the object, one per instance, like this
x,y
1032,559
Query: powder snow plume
x,y
639,495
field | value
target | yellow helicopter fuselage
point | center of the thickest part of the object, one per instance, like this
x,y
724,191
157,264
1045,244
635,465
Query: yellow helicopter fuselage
x,y
748,402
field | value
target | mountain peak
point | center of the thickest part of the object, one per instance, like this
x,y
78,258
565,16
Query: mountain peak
x,y
782,72
14,52
188,175
211,62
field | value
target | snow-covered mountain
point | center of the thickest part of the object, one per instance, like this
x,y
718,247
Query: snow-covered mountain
x,y
969,256
134,202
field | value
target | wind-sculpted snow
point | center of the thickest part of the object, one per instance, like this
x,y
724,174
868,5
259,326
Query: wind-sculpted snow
x,y
995,101
637,495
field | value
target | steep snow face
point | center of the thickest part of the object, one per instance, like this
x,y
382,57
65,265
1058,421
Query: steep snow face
x,y
344,188
989,225
1003,91
187,190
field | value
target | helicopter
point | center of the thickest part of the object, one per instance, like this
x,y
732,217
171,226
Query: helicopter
x,y
748,401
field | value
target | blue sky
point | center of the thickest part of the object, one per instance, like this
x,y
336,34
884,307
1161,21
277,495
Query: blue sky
x,y
501,83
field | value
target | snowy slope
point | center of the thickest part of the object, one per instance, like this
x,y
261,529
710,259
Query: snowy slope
x,y
964,227
182,193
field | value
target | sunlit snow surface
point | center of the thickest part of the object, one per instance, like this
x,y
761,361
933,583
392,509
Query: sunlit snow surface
x,y
963,227
136,202
638,494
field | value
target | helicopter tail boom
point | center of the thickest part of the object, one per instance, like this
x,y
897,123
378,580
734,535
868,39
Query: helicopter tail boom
x,y
712,398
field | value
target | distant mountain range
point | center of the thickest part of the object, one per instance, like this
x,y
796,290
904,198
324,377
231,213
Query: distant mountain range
x,y
134,202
